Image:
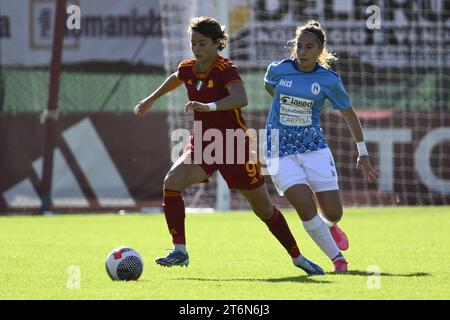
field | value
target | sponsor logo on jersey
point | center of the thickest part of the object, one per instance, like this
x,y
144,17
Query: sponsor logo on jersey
x,y
296,101
285,83
295,111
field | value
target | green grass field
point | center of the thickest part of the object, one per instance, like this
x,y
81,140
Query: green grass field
x,y
232,256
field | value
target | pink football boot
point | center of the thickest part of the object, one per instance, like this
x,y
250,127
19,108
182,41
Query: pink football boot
x,y
339,237
340,265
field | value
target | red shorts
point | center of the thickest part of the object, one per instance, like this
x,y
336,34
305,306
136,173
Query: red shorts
x,y
238,175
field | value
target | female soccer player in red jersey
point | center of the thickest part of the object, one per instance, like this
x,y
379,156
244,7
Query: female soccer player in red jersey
x,y
216,95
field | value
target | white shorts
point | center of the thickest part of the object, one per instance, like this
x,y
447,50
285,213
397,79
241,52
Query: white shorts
x,y
315,169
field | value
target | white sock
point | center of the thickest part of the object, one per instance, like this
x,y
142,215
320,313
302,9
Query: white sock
x,y
298,259
327,222
321,235
180,247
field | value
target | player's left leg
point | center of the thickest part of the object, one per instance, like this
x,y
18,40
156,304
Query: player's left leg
x,y
322,178
331,209
181,175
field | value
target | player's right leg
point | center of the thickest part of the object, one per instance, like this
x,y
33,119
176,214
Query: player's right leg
x,y
322,178
263,207
302,198
291,181
248,180
179,177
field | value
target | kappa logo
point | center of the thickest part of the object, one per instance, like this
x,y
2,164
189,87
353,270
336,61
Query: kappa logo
x,y
315,88
285,83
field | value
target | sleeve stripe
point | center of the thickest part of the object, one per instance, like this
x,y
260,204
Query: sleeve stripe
x,y
219,67
222,65
186,63
224,60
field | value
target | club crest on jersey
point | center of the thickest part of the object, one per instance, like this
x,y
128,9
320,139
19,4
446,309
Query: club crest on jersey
x,y
315,88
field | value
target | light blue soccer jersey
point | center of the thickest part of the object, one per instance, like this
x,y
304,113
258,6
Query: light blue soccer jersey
x,y
296,106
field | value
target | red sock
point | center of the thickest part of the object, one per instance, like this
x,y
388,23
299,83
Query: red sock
x,y
173,205
279,228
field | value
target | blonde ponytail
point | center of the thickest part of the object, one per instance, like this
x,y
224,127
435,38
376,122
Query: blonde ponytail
x,y
326,58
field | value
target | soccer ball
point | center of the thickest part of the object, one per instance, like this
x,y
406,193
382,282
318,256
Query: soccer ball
x,y
124,263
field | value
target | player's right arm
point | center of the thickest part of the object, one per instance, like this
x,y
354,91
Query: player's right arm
x,y
170,84
269,89
271,78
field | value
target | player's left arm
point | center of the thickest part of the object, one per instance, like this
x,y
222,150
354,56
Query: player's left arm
x,y
355,127
237,98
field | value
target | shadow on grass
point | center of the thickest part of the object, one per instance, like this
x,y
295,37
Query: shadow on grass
x,y
309,279
301,279
384,274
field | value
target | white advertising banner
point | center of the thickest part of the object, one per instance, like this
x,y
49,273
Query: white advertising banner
x,y
110,30
388,33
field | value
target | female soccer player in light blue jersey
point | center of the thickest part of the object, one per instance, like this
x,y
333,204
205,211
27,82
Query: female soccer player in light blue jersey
x,y
298,158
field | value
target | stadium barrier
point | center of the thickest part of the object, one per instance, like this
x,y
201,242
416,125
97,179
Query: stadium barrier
x,y
111,161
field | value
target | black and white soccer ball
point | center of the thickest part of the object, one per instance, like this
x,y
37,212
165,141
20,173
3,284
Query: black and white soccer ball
x,y
124,263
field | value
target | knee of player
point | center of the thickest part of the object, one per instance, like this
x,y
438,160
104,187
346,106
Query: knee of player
x,y
265,213
336,220
334,215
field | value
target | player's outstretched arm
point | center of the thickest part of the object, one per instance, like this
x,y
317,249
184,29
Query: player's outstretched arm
x,y
237,98
168,85
355,127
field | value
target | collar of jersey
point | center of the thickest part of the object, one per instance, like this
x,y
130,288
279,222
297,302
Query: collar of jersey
x,y
203,75
294,65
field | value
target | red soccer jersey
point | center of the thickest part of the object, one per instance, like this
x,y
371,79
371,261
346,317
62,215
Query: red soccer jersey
x,y
211,86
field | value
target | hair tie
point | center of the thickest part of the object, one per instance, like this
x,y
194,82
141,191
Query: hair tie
x,y
315,37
